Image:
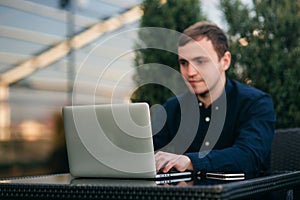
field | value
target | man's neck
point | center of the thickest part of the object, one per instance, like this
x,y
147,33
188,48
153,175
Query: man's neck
x,y
207,98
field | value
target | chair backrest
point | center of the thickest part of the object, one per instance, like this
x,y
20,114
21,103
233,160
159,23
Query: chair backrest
x,y
285,153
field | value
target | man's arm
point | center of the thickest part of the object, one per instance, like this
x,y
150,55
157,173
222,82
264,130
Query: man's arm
x,y
250,150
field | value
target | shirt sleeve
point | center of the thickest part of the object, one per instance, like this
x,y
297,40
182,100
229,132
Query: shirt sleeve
x,y
251,148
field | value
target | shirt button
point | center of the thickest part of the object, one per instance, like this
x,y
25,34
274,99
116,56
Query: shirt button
x,y
207,143
217,107
207,119
200,104
198,175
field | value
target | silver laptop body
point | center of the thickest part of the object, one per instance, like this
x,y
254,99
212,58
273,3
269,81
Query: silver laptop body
x,y
113,141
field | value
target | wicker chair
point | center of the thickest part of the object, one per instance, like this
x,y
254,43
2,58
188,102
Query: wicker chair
x,y
285,155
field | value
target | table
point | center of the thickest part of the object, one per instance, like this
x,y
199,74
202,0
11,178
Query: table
x,y
64,186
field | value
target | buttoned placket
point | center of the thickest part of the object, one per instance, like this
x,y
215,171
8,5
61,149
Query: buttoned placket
x,y
207,118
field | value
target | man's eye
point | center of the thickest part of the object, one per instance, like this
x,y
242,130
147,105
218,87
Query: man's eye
x,y
200,61
183,62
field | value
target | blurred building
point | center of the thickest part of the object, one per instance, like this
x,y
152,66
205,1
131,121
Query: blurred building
x,y
55,53
52,54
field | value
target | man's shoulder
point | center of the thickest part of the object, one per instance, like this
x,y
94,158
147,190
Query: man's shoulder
x,y
245,97
242,90
250,101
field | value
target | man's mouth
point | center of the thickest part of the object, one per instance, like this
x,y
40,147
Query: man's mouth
x,y
193,81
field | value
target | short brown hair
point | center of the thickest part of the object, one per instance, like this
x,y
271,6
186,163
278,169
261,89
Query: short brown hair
x,y
205,29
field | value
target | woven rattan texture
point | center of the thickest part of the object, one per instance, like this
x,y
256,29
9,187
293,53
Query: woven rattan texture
x,y
285,154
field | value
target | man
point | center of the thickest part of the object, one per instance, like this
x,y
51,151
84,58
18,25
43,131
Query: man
x,y
245,114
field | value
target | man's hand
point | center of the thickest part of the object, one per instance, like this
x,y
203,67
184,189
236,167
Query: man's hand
x,y
166,161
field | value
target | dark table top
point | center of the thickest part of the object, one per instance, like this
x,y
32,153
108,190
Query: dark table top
x,y
67,187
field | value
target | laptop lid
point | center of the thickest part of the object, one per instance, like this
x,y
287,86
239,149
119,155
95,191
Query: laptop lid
x,y
113,140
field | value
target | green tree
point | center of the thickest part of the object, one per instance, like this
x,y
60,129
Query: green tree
x,y
265,45
170,14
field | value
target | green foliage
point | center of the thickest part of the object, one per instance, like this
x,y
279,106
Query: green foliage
x,y
171,14
265,45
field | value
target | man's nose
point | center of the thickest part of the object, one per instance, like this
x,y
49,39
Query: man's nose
x,y
191,70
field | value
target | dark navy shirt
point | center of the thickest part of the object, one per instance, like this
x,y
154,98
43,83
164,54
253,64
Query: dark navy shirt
x,y
234,134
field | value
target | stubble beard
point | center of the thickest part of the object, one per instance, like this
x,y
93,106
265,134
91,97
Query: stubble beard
x,y
203,94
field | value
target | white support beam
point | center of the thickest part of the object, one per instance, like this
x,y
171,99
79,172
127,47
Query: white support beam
x,y
4,113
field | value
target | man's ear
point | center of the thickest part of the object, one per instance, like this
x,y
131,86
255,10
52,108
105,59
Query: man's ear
x,y
226,60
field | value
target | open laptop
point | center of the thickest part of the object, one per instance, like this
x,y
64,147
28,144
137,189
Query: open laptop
x,y
112,141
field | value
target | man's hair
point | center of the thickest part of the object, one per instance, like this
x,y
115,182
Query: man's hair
x,y
205,29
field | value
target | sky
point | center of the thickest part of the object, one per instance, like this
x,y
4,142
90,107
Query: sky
x,y
210,9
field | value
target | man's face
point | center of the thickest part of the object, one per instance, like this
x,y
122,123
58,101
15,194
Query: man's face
x,y
201,67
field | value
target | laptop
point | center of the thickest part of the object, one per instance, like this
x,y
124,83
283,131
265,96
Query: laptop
x,y
112,141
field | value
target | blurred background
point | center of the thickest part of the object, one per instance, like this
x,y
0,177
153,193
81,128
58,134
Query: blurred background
x,y
44,45
38,67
